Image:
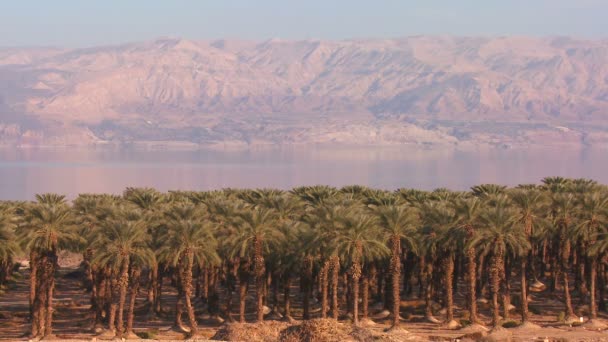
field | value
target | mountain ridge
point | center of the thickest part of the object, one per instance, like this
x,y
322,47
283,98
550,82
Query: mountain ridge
x,y
415,90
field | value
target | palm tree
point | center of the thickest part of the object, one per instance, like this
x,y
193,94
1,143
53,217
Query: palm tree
x,y
439,219
530,205
315,195
564,209
500,234
8,241
189,241
400,225
90,211
290,251
122,244
593,216
150,201
255,232
358,241
488,190
48,229
467,216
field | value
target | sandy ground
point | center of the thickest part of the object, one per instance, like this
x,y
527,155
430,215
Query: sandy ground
x,y
73,319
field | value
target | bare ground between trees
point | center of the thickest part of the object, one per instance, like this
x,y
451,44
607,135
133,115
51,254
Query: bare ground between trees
x,y
73,319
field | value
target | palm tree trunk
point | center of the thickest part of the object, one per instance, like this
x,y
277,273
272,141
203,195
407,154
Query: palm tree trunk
x,y
48,322
323,277
153,288
187,283
428,292
37,314
525,314
482,276
601,284
449,295
33,278
582,278
592,276
506,296
259,277
335,276
179,309
242,296
123,283
205,289
308,284
495,273
355,281
112,317
158,293
567,297
132,296
287,296
565,254
364,297
532,262
472,298
396,277
39,305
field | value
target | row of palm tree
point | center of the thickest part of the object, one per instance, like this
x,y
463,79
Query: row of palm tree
x,y
344,247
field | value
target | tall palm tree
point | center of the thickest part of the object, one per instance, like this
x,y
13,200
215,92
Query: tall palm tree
x,y
439,218
399,224
593,216
564,211
500,234
255,232
531,206
358,241
90,211
467,212
122,244
189,242
8,241
150,201
47,230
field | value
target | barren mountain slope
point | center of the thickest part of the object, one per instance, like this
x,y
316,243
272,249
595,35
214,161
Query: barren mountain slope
x,y
437,90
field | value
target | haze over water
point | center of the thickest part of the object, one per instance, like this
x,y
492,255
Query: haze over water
x,y
25,172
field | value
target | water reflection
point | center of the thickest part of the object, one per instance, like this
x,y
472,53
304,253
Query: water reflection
x,y
25,172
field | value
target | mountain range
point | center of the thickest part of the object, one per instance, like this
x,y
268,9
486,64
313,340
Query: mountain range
x,y
429,90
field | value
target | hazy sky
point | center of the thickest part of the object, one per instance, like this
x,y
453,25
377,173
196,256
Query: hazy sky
x,y
85,23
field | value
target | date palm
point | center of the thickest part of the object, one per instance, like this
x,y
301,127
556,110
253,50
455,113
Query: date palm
x,y
530,206
592,217
499,234
255,231
439,218
150,201
564,208
8,241
315,195
48,228
399,224
121,244
467,212
188,242
358,241
90,211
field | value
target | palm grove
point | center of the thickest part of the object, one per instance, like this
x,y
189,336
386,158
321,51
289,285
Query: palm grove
x,y
340,249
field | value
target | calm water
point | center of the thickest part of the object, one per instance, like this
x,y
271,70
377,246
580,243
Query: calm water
x,y
25,172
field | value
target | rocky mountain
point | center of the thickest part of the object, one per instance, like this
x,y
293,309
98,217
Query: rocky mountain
x,y
419,90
